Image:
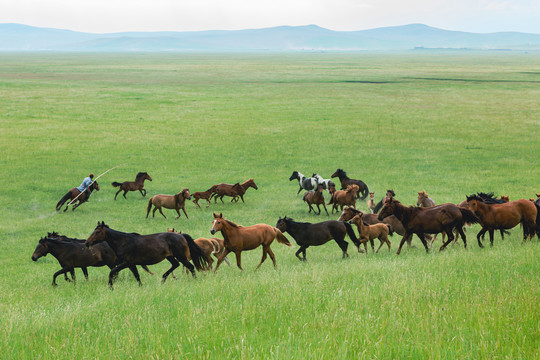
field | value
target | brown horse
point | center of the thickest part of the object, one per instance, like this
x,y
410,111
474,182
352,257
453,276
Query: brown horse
x,y
74,194
371,232
504,216
346,181
206,195
344,197
209,247
239,238
134,249
175,202
316,198
424,200
234,191
431,220
138,184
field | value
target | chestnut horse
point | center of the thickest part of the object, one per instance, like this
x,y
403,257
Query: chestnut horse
x,y
504,216
316,198
431,220
175,202
133,249
239,238
346,181
344,197
234,191
138,184
370,232
73,193
212,246
206,195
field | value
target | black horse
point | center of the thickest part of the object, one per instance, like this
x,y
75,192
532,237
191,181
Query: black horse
x,y
73,254
134,249
346,181
73,193
307,234
305,183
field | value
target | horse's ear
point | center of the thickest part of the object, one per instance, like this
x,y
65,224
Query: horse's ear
x,y
215,215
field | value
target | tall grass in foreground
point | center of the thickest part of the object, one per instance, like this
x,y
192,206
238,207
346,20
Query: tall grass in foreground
x,y
450,124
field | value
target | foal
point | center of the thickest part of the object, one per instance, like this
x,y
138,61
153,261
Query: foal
x,y
371,203
206,195
316,198
370,232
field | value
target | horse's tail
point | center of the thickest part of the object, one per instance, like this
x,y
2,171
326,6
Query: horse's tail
x,y
281,238
149,206
351,233
390,230
468,216
116,184
197,255
364,192
63,200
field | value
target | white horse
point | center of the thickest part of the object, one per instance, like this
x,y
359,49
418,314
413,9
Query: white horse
x,y
327,183
304,182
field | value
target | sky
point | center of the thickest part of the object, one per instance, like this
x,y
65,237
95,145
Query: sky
x,y
105,16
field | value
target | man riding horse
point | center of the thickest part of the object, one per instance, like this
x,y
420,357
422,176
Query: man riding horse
x,y
85,185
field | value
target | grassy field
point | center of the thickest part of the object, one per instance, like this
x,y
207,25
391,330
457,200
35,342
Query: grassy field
x,y
448,123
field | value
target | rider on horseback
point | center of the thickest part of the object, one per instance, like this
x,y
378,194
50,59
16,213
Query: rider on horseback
x,y
85,185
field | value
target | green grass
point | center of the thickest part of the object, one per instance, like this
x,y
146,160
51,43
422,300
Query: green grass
x,y
448,123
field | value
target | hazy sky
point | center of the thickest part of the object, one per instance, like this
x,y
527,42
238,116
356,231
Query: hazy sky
x,y
101,16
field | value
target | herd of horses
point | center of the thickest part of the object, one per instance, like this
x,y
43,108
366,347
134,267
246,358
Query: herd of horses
x,y
120,250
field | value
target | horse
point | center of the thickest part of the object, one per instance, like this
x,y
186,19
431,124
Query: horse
x,y
176,202
138,184
371,203
305,183
327,183
206,195
307,234
74,193
239,238
73,254
133,249
344,197
346,181
212,246
389,194
504,216
431,220
235,191
316,198
424,200
371,232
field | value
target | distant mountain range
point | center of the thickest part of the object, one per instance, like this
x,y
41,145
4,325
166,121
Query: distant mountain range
x,y
17,37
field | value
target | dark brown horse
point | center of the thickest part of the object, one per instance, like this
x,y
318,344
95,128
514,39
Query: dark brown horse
x,y
307,234
133,249
73,254
76,194
235,191
346,181
175,202
138,184
239,238
433,220
504,216
316,198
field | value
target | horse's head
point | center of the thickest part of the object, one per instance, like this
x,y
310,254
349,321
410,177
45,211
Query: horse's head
x,y
421,197
42,249
388,208
353,189
390,194
320,187
143,175
251,183
331,188
357,219
217,225
98,235
348,213
282,224
339,173
294,175
371,195
94,186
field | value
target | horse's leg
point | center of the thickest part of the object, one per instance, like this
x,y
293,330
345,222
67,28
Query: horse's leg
x,y
492,234
301,250
221,257
479,235
372,242
424,242
85,272
319,208
178,212
72,272
271,253
174,265
221,198
114,273
239,259
241,197
124,194
208,203
343,245
185,213
117,193
154,211
324,206
59,272
161,212
265,250
406,237
135,272
299,190
143,192
450,235
460,231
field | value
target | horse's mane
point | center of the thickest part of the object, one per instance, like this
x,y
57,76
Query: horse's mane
x,y
231,223
486,198
342,173
296,222
351,188
391,192
140,174
355,211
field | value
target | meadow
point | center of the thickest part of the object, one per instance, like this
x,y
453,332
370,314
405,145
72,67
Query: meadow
x,y
449,123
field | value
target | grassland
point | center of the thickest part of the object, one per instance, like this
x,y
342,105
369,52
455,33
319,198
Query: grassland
x,y
449,123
